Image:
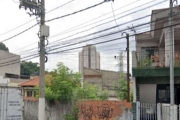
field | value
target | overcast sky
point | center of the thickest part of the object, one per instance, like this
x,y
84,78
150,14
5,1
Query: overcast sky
x,y
12,17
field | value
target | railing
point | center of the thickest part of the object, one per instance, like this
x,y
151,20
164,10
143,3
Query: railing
x,y
155,59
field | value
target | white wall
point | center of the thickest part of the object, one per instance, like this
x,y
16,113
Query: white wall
x,y
147,93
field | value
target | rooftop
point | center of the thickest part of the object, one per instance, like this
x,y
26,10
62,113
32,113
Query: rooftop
x,y
30,83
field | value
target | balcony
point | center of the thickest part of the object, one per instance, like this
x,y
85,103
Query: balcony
x,y
153,65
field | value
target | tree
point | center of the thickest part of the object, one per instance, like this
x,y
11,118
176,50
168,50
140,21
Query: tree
x,y
29,68
60,86
3,47
121,88
64,85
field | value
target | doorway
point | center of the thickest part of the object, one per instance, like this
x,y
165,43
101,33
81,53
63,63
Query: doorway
x,y
177,95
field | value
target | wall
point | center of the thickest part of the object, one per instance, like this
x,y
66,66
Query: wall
x,y
88,110
53,112
105,110
7,59
147,93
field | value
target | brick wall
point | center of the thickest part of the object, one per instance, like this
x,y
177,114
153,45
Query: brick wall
x,y
103,110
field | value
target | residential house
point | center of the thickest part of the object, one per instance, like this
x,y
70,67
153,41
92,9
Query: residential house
x,y
151,65
30,87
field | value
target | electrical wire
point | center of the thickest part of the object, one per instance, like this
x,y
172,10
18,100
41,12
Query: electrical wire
x,y
112,39
112,20
60,6
75,12
137,26
54,19
19,33
78,26
34,18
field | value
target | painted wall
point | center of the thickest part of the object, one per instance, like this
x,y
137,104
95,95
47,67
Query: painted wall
x,y
105,110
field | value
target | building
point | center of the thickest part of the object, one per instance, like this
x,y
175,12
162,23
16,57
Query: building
x,y
104,79
151,60
29,87
89,58
9,63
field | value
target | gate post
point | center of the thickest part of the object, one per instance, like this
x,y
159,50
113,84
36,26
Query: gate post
x,y
159,116
138,110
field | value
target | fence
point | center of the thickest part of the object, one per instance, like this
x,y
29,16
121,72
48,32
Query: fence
x,y
149,111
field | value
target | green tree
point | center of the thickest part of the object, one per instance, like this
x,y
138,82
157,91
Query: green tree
x,y
121,88
3,47
63,85
63,82
29,68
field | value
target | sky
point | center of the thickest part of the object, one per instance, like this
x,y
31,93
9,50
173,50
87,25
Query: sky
x,y
26,44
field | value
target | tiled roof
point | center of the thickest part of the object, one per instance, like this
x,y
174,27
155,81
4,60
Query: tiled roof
x,y
30,83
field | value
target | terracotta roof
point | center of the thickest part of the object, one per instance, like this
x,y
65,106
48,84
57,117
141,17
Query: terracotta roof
x,y
30,83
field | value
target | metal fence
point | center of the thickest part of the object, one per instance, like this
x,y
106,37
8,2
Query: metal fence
x,y
160,111
148,111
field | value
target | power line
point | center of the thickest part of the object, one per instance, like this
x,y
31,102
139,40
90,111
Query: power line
x,y
117,31
19,33
111,40
114,19
84,22
74,48
75,12
78,26
112,33
106,23
34,18
54,19
60,6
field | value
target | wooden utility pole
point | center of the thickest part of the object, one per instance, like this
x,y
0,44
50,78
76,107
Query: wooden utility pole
x,y
127,49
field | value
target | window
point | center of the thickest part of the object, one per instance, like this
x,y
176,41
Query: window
x,y
163,94
29,93
147,52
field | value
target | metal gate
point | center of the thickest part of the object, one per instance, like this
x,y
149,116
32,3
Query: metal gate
x,y
148,111
11,100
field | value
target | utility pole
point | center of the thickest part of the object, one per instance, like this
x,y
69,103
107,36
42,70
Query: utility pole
x,y
37,8
127,49
171,41
42,65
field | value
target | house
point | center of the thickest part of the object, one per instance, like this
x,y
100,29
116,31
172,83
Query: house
x,y
30,87
104,79
151,72
151,65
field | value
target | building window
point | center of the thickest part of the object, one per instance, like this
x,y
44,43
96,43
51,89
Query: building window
x,y
148,52
29,93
